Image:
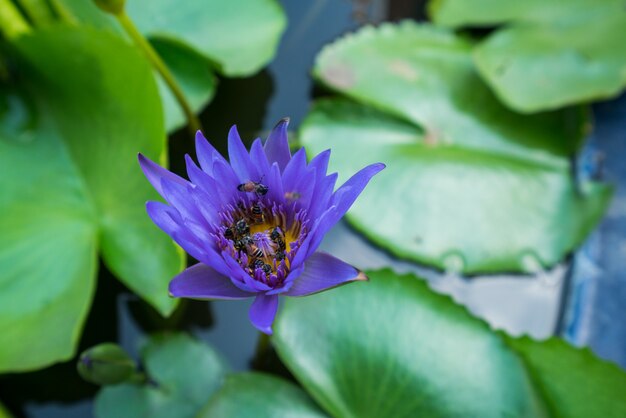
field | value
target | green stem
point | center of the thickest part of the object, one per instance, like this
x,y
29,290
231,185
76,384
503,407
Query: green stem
x,y
154,58
38,14
12,23
262,345
62,13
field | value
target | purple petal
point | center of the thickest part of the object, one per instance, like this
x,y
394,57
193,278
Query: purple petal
x,y
202,282
263,311
321,272
314,239
257,156
320,162
206,153
294,169
277,145
170,221
321,195
345,196
179,196
207,184
227,182
154,173
293,274
239,158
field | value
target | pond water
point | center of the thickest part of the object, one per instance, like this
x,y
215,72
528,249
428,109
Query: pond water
x,y
519,304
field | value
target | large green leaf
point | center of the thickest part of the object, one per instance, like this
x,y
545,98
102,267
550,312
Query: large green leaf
x,y
425,75
474,187
454,207
390,347
182,374
575,382
191,70
71,185
551,65
240,35
255,395
552,54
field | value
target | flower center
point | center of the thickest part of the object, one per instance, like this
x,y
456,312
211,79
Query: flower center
x,y
262,239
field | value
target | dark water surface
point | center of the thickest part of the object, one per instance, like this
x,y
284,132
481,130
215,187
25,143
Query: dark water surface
x,y
519,304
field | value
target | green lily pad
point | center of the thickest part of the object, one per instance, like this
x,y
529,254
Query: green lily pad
x,y
541,59
391,347
71,187
182,374
256,395
240,35
474,187
486,13
576,383
547,66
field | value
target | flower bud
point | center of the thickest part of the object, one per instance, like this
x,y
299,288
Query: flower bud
x,y
106,364
111,6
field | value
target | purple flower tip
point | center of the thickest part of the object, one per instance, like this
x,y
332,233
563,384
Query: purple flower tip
x,y
254,222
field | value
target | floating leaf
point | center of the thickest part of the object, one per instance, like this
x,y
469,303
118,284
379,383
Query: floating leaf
x,y
486,13
575,382
463,173
106,364
71,185
548,66
182,374
391,347
255,395
542,59
240,35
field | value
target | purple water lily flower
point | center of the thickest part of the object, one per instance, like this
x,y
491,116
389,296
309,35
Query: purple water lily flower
x,y
255,224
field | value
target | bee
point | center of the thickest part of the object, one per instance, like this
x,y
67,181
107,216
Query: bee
x,y
247,240
228,233
267,269
253,187
257,252
258,264
276,234
257,213
292,195
242,227
239,245
280,255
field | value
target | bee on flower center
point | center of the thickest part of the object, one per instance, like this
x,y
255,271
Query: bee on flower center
x,y
279,255
239,245
228,233
257,252
242,227
253,187
257,213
